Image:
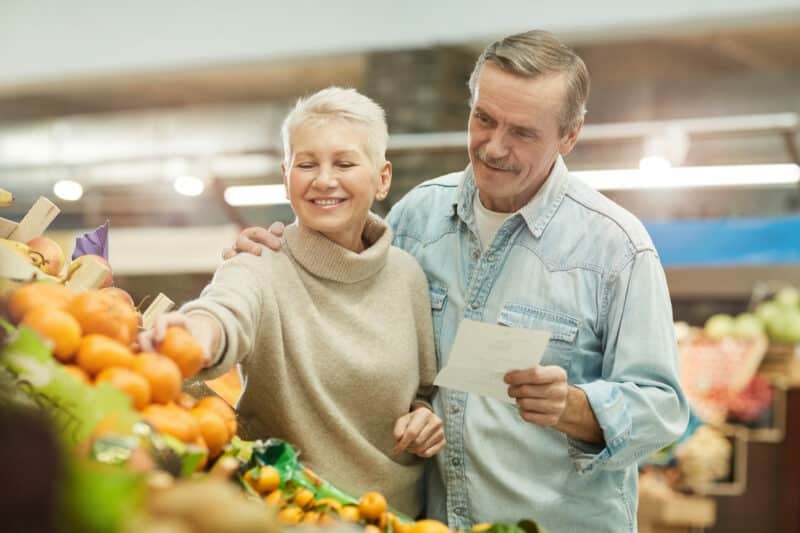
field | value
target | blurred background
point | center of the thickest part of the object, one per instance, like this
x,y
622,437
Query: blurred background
x,y
154,114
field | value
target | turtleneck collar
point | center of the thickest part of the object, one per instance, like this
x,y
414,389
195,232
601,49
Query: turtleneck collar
x,y
326,259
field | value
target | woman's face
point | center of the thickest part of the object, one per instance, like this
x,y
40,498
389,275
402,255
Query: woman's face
x,y
331,181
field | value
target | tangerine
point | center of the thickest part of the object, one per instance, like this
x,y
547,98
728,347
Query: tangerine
x,y
275,498
58,326
372,505
349,513
134,385
172,420
97,352
263,480
429,526
32,295
219,406
162,373
212,429
99,312
181,347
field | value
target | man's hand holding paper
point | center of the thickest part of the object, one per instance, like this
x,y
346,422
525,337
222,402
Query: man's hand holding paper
x,y
483,354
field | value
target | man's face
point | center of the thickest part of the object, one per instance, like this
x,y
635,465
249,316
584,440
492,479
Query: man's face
x,y
514,135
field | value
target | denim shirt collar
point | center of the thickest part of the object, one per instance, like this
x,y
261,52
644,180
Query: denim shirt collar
x,y
536,213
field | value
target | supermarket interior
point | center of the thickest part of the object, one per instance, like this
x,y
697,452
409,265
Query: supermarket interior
x,y
138,140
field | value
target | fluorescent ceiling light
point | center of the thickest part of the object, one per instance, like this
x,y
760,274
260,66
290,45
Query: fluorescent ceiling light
x,y
68,190
256,195
685,177
654,163
189,185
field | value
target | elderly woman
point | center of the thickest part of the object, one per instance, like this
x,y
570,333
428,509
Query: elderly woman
x,y
334,335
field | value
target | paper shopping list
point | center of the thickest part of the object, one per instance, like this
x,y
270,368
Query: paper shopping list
x,y
483,353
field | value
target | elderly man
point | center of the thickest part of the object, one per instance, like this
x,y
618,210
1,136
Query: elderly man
x,y
514,239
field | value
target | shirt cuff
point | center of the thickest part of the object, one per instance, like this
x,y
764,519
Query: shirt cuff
x,y
216,358
611,411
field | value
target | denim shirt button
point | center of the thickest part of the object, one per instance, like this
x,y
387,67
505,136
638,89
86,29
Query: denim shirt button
x,y
490,258
474,305
476,254
455,461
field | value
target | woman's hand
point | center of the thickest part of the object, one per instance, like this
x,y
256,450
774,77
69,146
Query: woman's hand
x,y
419,432
202,330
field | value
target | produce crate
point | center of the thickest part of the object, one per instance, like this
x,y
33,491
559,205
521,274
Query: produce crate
x,y
782,362
673,512
736,483
776,430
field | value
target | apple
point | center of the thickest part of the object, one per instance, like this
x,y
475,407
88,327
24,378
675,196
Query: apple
x,y
52,254
74,265
719,326
122,294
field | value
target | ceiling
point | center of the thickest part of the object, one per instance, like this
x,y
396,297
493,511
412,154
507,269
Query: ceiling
x,y
696,74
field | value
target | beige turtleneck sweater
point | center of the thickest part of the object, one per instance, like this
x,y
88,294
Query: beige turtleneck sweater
x,y
334,347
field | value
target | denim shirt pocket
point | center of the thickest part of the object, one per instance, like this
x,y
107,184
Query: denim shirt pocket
x,y
438,296
563,330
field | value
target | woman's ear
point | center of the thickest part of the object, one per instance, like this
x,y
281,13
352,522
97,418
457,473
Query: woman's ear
x,y
385,176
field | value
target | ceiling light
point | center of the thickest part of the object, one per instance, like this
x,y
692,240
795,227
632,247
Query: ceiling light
x,y
68,190
256,195
189,185
684,177
654,163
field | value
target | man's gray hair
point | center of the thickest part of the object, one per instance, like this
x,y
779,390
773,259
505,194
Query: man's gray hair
x,y
341,104
535,53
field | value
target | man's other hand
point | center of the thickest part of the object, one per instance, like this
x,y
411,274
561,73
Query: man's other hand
x,y
250,239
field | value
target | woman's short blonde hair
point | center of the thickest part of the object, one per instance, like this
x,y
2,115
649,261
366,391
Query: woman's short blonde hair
x,y
336,103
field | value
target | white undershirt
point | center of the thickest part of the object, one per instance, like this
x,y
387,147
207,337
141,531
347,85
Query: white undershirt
x,y
487,221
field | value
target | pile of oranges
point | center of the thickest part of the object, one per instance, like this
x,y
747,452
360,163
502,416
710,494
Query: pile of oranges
x,y
93,335
298,505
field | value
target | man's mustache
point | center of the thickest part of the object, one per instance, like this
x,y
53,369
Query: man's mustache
x,y
502,164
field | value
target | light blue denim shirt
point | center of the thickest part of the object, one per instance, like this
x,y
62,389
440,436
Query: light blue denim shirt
x,y
574,263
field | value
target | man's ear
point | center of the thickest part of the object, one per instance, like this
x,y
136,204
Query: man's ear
x,y
569,139
385,176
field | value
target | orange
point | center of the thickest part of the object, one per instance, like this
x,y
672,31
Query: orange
x,y
326,519
172,420
429,526
369,528
327,504
303,498
33,295
180,346
212,429
223,410
163,375
129,382
99,312
264,479
97,352
372,505
58,326
400,527
78,372
275,498
311,517
349,513
290,515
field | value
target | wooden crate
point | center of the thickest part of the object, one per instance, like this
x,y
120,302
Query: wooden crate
x,y
675,513
737,484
